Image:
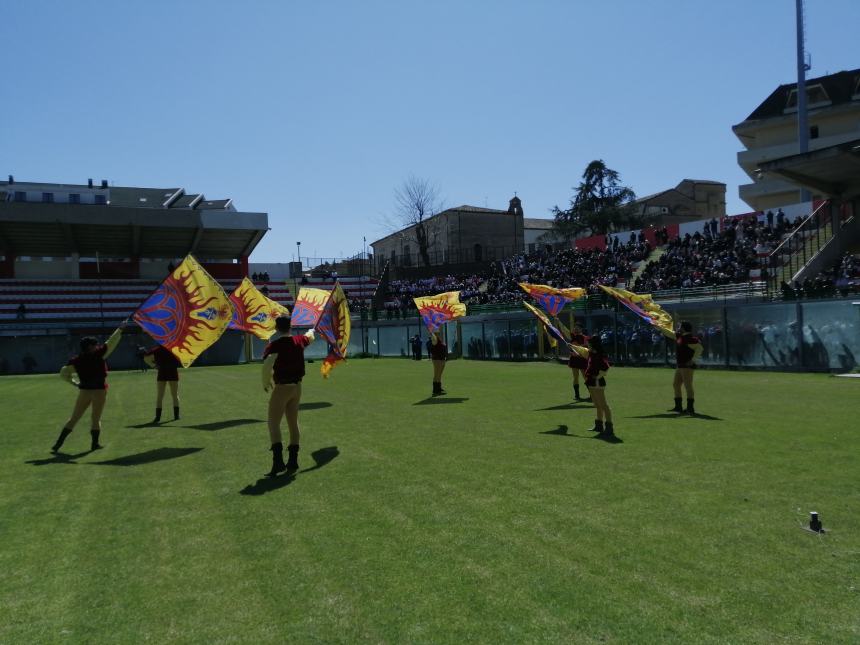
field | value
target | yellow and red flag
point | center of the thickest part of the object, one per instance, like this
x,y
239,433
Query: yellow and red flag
x,y
335,326
551,299
187,313
439,309
253,312
309,306
552,332
643,306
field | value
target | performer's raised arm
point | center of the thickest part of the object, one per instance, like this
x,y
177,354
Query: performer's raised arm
x,y
311,334
113,342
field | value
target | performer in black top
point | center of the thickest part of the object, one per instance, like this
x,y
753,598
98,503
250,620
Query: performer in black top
x,y
283,370
439,355
168,374
88,371
688,348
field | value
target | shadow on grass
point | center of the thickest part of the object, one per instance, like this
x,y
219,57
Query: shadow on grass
x,y
675,415
314,405
223,425
567,406
321,457
437,400
265,485
561,431
58,458
149,424
148,457
268,484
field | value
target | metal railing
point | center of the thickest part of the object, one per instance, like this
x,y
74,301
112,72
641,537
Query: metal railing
x,y
801,245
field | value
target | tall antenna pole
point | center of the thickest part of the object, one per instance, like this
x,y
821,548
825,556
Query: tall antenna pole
x,y
802,117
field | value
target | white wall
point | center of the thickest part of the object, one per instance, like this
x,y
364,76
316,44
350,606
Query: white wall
x,y
38,269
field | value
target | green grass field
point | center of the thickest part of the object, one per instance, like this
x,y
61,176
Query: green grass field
x,y
490,515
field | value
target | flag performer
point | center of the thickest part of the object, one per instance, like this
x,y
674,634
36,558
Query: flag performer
x,y
282,373
595,380
88,372
435,311
575,362
167,375
688,348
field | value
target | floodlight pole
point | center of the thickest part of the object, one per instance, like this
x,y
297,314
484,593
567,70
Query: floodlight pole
x,y
802,116
299,253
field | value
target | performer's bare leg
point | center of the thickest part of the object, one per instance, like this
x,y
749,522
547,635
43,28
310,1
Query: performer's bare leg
x,y
81,404
174,392
292,414
277,409
676,387
687,377
160,386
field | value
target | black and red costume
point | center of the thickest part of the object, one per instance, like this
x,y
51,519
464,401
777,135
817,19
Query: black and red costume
x,y
289,367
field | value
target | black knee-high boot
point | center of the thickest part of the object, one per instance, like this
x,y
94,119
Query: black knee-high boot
x,y
609,430
95,445
576,391
278,464
175,412
157,418
436,388
690,408
293,458
677,407
598,426
65,432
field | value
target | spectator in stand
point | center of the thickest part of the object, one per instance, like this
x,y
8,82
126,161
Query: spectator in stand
x,y
22,312
769,217
254,276
780,218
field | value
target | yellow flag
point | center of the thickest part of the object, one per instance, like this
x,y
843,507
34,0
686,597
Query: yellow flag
x,y
437,310
643,306
253,312
335,326
187,313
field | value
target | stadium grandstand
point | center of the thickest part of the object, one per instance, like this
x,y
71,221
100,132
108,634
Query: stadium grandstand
x,y
92,252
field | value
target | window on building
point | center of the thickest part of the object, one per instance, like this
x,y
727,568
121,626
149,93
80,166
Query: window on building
x,y
47,198
407,257
813,132
101,199
74,198
815,95
478,251
20,196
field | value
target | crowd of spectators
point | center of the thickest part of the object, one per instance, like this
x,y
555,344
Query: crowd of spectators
x,y
715,257
736,254
570,267
840,279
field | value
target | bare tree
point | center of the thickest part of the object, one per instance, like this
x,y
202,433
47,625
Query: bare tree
x,y
416,201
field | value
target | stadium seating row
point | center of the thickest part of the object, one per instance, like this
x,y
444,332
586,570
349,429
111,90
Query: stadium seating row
x,y
81,300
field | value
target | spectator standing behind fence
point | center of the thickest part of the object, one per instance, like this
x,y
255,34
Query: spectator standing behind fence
x,y
416,347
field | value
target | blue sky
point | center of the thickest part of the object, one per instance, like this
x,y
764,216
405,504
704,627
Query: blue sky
x,y
316,111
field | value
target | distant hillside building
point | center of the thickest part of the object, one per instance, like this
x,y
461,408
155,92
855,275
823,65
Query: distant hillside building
x,y
461,235
690,200
770,133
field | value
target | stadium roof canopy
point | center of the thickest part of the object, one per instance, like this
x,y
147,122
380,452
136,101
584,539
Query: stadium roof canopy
x,y
833,172
129,222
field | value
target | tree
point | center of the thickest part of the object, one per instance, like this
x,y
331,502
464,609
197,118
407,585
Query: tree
x,y
416,201
601,204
